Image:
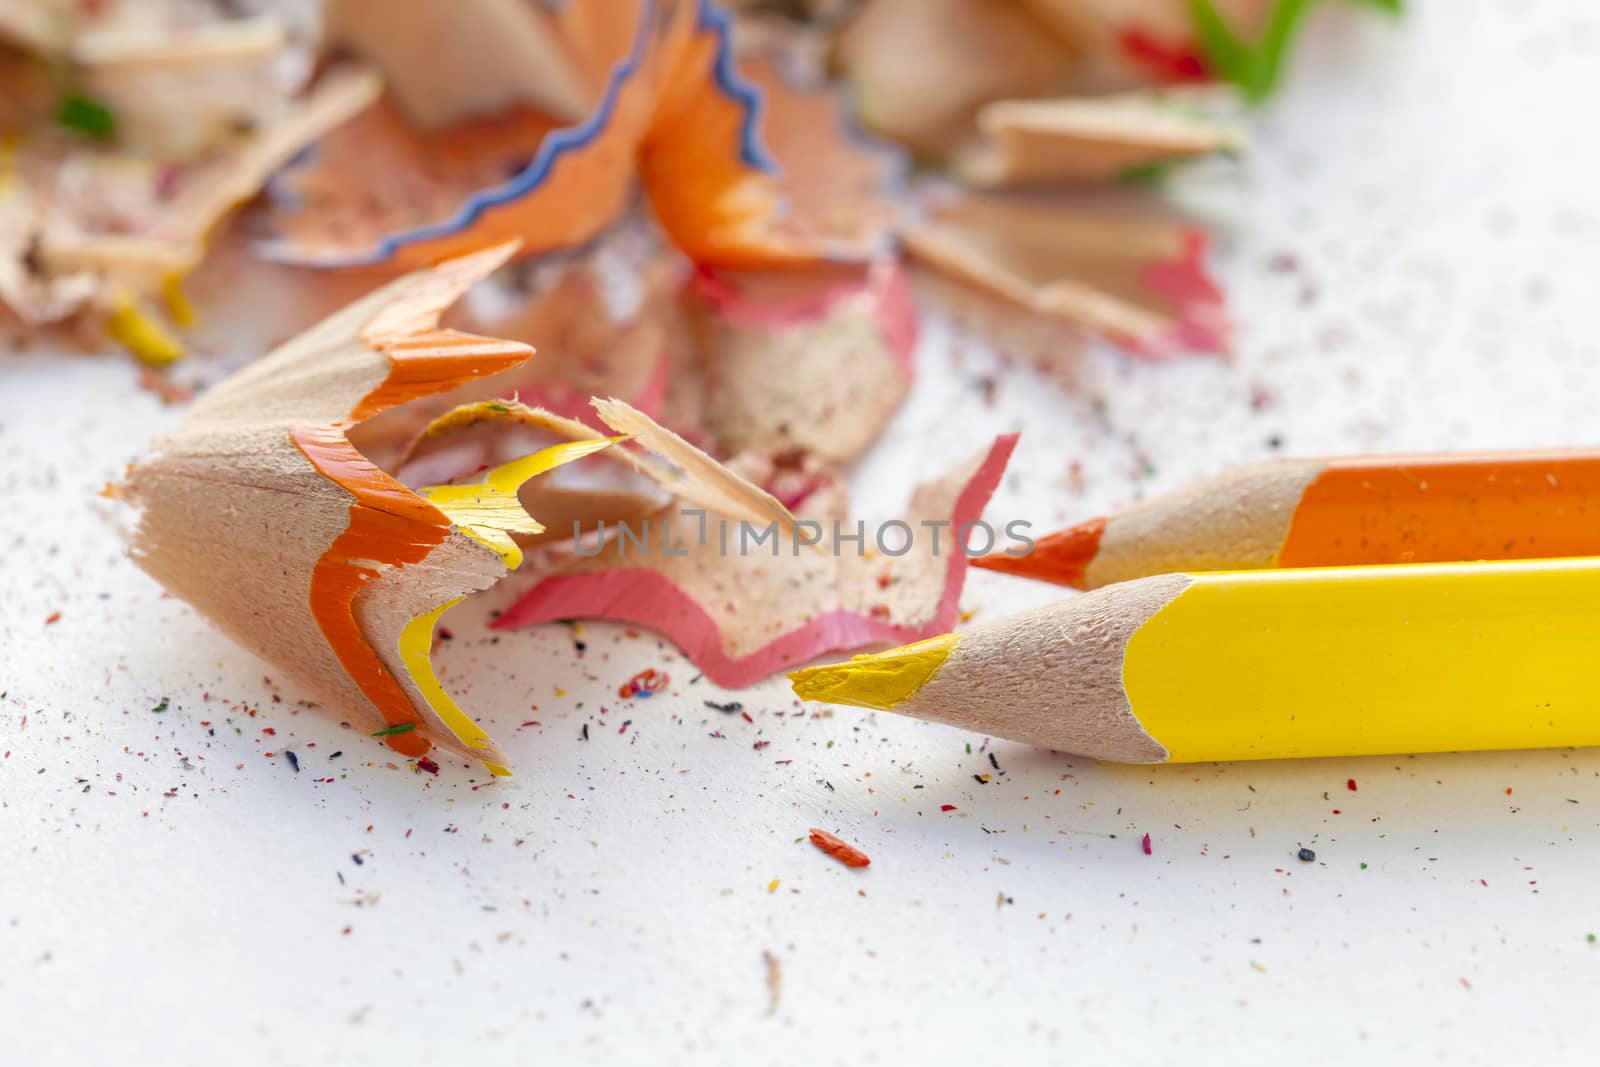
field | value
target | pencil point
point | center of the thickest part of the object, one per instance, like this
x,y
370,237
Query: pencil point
x,y
1062,557
878,680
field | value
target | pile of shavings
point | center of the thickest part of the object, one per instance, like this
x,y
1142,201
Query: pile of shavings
x,y
529,274
128,132
396,135
1030,112
328,504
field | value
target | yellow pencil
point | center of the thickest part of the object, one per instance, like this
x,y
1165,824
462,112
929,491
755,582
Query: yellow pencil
x,y
1267,665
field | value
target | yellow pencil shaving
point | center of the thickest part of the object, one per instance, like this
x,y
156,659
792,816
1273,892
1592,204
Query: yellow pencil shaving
x,y
416,647
467,414
149,342
877,680
179,309
489,511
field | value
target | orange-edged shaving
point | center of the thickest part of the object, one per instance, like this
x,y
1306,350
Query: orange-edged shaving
x,y
670,112
261,513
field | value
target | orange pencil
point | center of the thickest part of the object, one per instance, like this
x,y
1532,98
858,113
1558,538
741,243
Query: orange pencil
x,y
1345,511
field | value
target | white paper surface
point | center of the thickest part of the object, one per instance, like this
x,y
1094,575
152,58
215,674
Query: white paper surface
x,y
1413,252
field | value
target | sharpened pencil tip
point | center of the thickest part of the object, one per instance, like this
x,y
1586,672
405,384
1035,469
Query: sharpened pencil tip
x,y
1062,557
878,680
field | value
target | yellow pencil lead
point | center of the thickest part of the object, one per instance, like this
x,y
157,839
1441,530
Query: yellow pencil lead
x,y
877,680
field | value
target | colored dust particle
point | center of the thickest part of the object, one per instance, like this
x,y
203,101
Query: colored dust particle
x,y
772,886
1350,784
774,981
846,854
1306,855
1145,844
646,683
947,807
85,115
396,729
161,706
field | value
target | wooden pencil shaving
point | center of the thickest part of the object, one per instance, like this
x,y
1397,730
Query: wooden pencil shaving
x,y
134,224
171,81
696,477
447,62
839,185
1098,139
177,92
588,349
99,229
32,26
261,514
923,68
816,363
743,601
1142,283
324,214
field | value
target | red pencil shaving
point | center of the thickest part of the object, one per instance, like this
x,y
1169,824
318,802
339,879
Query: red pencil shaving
x,y
848,855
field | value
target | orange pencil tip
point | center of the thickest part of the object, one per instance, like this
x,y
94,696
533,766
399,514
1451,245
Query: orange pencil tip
x,y
1062,557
